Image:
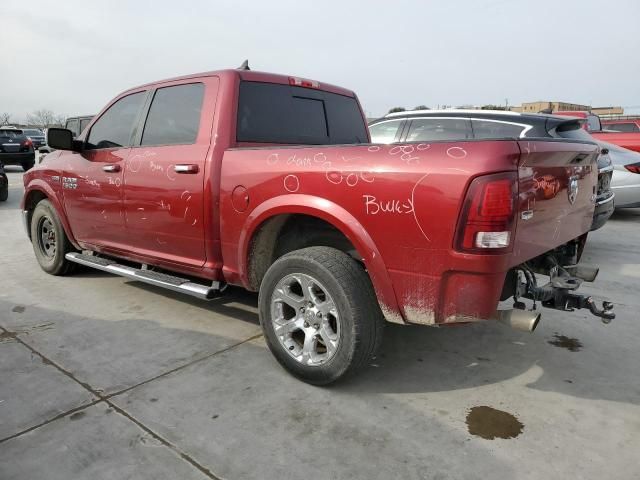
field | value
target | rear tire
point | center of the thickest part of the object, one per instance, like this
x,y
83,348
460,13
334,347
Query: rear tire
x,y
50,242
336,326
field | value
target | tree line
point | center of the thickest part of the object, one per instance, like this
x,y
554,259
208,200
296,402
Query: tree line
x,y
43,118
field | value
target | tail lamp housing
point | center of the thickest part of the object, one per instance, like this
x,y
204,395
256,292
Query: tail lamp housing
x,y
633,168
487,222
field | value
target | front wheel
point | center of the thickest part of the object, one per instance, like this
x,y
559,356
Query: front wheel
x,y
50,243
319,314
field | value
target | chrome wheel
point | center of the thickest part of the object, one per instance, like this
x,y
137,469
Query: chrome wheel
x,y
305,319
47,237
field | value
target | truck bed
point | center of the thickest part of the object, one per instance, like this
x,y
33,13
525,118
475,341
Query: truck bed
x,y
405,201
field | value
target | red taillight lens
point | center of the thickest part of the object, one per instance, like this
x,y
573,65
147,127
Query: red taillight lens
x,y
487,221
498,199
302,82
27,143
633,168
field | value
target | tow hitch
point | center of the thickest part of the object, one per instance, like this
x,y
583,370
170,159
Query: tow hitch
x,y
559,292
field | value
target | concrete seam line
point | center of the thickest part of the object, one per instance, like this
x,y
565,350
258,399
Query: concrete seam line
x,y
185,456
51,362
177,369
101,398
52,419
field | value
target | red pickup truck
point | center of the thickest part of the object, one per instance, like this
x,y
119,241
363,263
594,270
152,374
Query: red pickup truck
x,y
268,182
628,138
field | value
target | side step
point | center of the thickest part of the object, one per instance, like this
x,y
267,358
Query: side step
x,y
163,280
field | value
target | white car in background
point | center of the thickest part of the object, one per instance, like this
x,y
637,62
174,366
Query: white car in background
x,y
625,181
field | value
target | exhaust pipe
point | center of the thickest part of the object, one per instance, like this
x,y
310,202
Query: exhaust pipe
x,y
523,320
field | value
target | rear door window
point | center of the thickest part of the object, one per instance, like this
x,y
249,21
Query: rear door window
x,y
434,129
174,116
496,129
274,113
115,127
385,132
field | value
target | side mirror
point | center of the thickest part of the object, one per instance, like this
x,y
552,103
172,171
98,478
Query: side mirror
x,y
62,139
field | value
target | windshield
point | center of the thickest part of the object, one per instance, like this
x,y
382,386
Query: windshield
x,y
32,132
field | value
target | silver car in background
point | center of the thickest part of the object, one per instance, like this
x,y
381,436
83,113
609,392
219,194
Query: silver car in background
x,y
625,181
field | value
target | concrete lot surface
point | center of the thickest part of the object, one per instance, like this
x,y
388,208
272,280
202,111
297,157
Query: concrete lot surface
x,y
104,378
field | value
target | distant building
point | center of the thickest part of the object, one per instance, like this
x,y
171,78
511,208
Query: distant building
x,y
535,107
608,110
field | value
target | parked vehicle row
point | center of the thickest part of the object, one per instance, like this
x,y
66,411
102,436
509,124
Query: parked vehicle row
x,y
36,136
74,124
269,182
594,125
622,148
438,125
16,148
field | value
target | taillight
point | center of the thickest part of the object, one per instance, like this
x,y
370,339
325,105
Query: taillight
x,y
488,215
302,82
27,143
633,168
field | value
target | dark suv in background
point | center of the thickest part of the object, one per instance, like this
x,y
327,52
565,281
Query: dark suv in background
x,y
16,148
446,125
36,136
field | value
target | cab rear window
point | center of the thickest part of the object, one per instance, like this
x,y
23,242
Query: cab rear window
x,y
273,113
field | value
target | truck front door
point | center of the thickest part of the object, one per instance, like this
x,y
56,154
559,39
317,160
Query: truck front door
x,y
92,179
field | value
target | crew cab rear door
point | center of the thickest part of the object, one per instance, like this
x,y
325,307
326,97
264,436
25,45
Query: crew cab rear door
x,y
164,181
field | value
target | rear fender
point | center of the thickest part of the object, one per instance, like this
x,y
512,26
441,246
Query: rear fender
x,y
340,219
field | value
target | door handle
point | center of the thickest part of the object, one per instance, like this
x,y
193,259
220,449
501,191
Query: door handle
x,y
111,168
186,168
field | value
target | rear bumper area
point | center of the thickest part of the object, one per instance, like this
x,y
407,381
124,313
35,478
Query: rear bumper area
x,y
455,297
17,158
604,209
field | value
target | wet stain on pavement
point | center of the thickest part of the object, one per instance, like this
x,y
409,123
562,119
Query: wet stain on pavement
x,y
562,341
18,309
489,423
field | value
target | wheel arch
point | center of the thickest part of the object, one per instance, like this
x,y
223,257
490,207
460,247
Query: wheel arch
x,y
259,238
34,194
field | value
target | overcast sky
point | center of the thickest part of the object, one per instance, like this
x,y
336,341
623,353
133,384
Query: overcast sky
x,y
73,56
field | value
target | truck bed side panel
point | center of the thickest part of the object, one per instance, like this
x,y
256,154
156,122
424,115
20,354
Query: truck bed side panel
x,y
398,204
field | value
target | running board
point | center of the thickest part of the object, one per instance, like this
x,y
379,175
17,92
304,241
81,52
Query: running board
x,y
170,282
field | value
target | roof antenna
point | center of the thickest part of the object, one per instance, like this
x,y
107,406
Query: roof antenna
x,y
244,66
